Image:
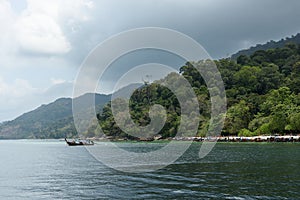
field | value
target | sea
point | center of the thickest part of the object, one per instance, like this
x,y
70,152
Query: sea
x,y
49,169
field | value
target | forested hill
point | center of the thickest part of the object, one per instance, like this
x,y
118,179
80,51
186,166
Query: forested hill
x,y
263,96
53,120
269,45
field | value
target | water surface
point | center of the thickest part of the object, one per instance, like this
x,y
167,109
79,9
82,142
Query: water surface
x,y
34,169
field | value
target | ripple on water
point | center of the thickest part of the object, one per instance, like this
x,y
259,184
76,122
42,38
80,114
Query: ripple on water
x,y
52,170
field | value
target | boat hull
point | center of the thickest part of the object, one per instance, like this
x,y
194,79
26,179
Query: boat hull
x,y
79,143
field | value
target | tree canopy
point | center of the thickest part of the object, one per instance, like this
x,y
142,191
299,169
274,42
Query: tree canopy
x,y
262,90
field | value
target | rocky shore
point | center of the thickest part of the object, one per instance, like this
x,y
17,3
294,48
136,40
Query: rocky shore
x,y
285,138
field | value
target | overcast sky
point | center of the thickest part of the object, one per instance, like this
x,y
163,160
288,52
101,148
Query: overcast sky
x,y
43,43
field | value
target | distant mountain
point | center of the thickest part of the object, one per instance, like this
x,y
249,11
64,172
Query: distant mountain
x,y
53,120
269,45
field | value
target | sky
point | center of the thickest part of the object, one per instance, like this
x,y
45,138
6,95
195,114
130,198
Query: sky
x,y
43,43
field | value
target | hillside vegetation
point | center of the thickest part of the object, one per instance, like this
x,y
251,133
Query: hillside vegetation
x,y
262,91
262,96
53,120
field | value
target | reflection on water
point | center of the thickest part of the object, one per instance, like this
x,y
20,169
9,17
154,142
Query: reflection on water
x,y
51,170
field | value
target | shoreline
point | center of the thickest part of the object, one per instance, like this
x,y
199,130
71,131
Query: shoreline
x,y
285,138
221,139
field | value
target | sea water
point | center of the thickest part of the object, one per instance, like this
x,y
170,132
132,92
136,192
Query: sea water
x,y
49,169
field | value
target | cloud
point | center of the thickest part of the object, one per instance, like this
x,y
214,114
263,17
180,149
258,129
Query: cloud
x,y
41,28
39,33
220,26
14,96
20,96
6,14
18,89
57,81
7,20
60,89
44,39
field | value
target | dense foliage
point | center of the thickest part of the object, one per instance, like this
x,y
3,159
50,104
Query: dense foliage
x,y
263,96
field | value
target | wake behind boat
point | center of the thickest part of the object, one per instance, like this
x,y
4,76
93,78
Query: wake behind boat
x,y
78,142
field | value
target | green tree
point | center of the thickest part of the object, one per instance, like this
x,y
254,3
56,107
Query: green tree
x,y
237,118
247,79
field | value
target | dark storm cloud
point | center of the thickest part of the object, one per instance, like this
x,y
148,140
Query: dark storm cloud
x,y
222,27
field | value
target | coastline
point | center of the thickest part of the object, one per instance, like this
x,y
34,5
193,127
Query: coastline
x,y
271,138
221,139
